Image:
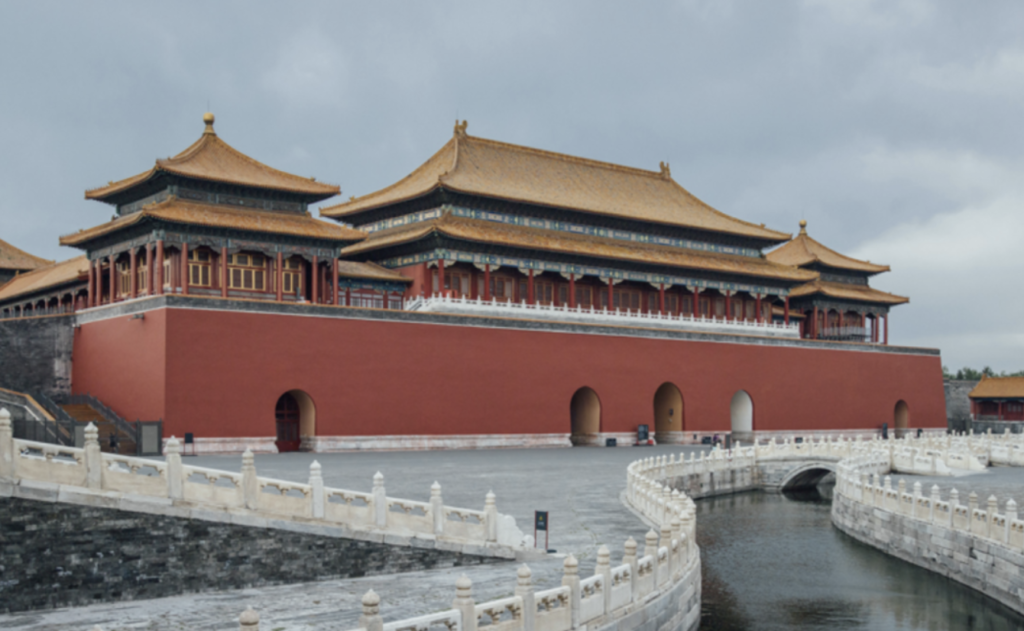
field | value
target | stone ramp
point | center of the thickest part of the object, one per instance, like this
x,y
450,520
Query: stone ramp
x,y
85,413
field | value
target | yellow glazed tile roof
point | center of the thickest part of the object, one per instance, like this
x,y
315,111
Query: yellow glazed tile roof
x,y
210,158
45,277
481,231
999,388
489,168
174,210
861,293
352,269
804,250
16,259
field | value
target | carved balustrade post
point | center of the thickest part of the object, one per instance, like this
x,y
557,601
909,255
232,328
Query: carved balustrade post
x,y
524,589
249,620
371,620
954,503
1011,516
93,458
250,484
917,499
491,517
316,489
604,570
629,558
972,505
464,603
651,549
990,517
666,542
380,501
6,446
571,579
437,508
677,535
172,451
935,500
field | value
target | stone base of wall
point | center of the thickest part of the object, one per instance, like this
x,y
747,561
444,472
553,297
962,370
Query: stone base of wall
x,y
56,554
431,442
981,564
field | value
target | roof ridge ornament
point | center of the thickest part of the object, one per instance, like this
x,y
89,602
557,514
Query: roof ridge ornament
x,y
460,128
803,226
666,172
208,119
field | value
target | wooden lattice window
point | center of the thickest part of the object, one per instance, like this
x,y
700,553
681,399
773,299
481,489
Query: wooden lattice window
x,y
247,271
142,276
291,276
124,278
199,268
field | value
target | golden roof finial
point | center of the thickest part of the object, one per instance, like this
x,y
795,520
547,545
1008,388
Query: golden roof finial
x,y
803,226
460,128
666,172
208,119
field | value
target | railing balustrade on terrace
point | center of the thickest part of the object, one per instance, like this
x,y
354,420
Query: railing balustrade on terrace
x,y
616,317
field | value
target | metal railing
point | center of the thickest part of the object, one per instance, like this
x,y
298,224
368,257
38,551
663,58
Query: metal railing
x,y
147,435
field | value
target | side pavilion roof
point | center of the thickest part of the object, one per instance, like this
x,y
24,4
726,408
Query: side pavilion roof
x,y
999,388
803,250
17,259
43,278
212,159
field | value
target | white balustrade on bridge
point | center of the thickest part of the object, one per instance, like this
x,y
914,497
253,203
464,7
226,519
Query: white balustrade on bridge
x,y
615,317
90,469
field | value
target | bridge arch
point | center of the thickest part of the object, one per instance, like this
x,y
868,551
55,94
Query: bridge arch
x,y
806,476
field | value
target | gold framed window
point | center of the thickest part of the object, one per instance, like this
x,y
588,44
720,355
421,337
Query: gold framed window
x,y
142,277
247,271
291,276
200,272
124,278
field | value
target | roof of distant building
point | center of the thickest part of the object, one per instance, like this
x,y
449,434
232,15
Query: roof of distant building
x,y
212,159
17,259
499,170
803,250
43,278
999,388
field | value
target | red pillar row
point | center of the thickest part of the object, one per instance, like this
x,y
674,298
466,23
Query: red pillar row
x,y
314,278
661,299
134,279
759,317
184,269
487,281
572,291
159,268
334,282
224,273
530,296
113,280
149,269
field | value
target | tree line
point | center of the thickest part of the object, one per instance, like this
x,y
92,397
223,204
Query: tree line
x,y
970,374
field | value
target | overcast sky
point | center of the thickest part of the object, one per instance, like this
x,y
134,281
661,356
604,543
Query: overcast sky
x,y
893,127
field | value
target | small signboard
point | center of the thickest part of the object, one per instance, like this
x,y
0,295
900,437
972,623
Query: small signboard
x,y
540,522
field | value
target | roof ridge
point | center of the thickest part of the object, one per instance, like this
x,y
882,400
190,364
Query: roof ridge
x,y
809,239
570,158
722,214
32,257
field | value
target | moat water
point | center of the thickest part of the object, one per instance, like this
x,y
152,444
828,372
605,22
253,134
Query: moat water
x,y
774,561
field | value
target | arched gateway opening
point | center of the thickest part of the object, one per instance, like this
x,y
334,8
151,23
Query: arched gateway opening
x,y
741,410
669,419
901,418
295,417
585,415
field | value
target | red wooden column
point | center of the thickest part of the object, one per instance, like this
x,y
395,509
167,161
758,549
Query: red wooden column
x,y
886,321
135,277
91,292
572,291
279,276
440,277
611,294
314,276
786,311
759,317
184,269
149,269
1000,410
661,299
728,306
529,288
487,281
224,272
113,280
348,296
159,269
334,282
814,324
696,302
839,332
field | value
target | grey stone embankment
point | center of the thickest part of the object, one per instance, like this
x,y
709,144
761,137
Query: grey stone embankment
x,y
979,563
36,354
55,554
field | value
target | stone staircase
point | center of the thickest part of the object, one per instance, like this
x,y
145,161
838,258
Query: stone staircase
x,y
85,413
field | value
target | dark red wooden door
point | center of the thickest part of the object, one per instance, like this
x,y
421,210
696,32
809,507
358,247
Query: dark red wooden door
x,y
287,416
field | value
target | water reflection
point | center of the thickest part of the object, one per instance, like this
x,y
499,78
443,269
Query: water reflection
x,y
774,561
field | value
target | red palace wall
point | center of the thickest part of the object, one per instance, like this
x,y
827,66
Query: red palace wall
x,y
220,373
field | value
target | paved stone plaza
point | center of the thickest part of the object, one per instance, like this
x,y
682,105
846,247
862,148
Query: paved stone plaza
x,y
580,487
